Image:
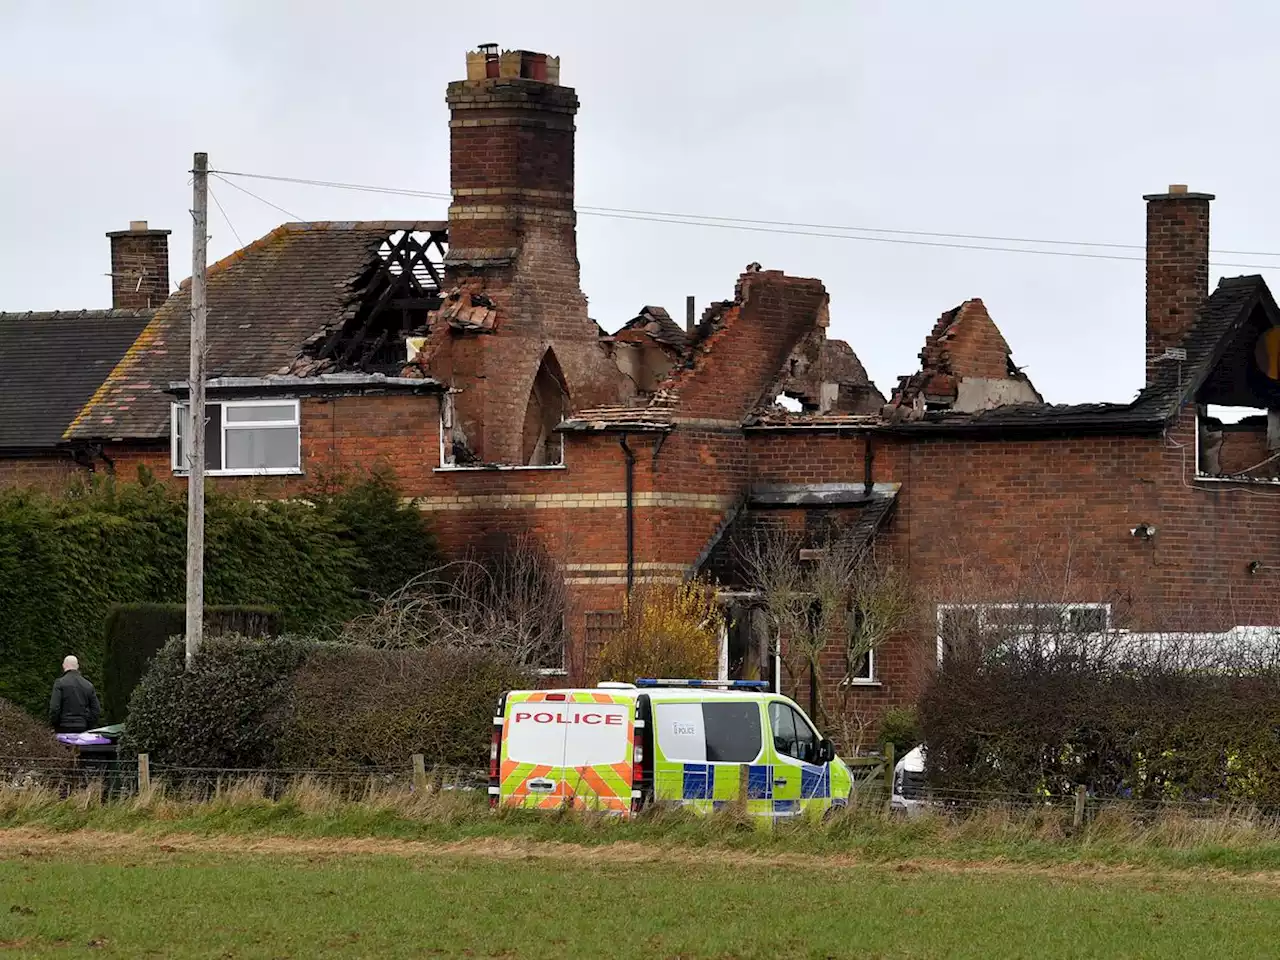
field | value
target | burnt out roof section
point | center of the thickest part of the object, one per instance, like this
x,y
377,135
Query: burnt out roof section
x,y
296,285
1229,308
848,512
51,363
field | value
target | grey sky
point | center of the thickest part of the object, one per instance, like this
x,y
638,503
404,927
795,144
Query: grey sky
x,y
991,117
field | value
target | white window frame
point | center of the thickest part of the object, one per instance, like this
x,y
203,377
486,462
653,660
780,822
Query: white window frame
x,y
984,609
870,679
177,412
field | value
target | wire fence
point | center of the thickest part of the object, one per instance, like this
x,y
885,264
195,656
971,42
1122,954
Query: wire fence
x,y
121,779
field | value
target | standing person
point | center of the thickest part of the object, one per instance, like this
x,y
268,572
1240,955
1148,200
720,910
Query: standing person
x,y
73,707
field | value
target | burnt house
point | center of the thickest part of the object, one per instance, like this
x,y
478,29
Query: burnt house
x,y
460,353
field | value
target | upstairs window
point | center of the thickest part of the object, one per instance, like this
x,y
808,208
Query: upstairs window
x,y
242,438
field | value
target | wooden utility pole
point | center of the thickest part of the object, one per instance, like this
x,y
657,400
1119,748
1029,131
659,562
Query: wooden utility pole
x,y
195,407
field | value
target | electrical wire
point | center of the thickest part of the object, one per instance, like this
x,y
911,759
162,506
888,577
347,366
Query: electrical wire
x,y
793,228
218,204
236,186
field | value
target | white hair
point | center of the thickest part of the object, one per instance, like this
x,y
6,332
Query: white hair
x,y
70,663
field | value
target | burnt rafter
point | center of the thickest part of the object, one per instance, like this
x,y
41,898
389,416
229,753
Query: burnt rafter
x,y
393,299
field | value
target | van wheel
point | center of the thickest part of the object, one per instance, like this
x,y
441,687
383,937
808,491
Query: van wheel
x,y
837,807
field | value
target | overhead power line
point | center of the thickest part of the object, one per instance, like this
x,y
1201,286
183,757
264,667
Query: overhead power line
x,y
236,186
985,242
218,203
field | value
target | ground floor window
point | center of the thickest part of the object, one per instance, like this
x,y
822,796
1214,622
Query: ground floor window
x,y
864,668
242,437
991,626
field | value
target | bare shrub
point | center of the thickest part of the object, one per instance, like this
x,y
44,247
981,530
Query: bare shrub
x,y
840,594
510,603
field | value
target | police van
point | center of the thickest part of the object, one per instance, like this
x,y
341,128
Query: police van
x,y
620,747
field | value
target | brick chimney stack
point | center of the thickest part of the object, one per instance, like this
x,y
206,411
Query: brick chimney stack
x,y
513,239
511,150
139,267
1177,267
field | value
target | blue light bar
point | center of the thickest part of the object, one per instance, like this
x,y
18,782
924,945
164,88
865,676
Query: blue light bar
x,y
721,684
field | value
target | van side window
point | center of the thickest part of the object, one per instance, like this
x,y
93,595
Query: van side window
x,y
784,729
792,735
709,732
733,731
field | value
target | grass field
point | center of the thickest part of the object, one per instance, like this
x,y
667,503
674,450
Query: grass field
x,y
400,874
120,895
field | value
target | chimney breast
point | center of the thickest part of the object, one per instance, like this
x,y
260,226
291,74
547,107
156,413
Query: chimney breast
x,y
139,267
1177,268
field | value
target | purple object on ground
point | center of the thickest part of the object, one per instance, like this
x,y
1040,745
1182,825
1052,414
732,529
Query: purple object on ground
x,y
83,739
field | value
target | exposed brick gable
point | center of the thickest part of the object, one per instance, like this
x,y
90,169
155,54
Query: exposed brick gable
x,y
732,368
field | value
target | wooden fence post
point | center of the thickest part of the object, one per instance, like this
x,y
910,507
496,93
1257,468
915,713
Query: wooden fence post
x,y
1077,821
144,774
889,763
419,773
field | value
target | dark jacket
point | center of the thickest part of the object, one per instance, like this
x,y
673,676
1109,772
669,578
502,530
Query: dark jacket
x,y
74,705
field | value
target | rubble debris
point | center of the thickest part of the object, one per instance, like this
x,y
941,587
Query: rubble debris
x,y
468,309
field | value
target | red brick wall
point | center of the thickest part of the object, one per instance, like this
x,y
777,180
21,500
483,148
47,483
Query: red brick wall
x,y
1049,519
46,473
975,347
1243,448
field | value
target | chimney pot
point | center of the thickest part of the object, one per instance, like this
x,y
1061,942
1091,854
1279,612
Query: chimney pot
x,y
137,226
1177,188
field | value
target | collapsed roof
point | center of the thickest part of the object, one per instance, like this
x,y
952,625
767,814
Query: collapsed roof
x,y
305,299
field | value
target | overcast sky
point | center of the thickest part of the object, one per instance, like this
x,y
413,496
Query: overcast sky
x,y
996,118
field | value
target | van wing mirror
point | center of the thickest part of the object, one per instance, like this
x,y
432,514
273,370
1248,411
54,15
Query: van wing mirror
x,y
826,751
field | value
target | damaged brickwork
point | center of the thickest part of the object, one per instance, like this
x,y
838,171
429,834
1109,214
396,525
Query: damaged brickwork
x,y
965,366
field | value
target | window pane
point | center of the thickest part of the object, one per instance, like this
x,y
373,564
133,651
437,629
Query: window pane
x,y
784,729
260,448
1088,619
237,413
806,746
862,668
733,731
180,436
212,438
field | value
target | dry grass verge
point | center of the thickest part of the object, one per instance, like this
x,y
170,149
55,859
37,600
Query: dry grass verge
x,y
309,809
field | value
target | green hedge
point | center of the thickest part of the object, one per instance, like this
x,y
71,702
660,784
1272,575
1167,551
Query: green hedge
x,y
286,703
66,559
136,632
228,710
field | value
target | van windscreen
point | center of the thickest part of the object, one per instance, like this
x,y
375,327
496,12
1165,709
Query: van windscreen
x,y
568,734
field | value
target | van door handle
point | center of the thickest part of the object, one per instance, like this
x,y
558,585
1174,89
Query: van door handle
x,y
780,781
